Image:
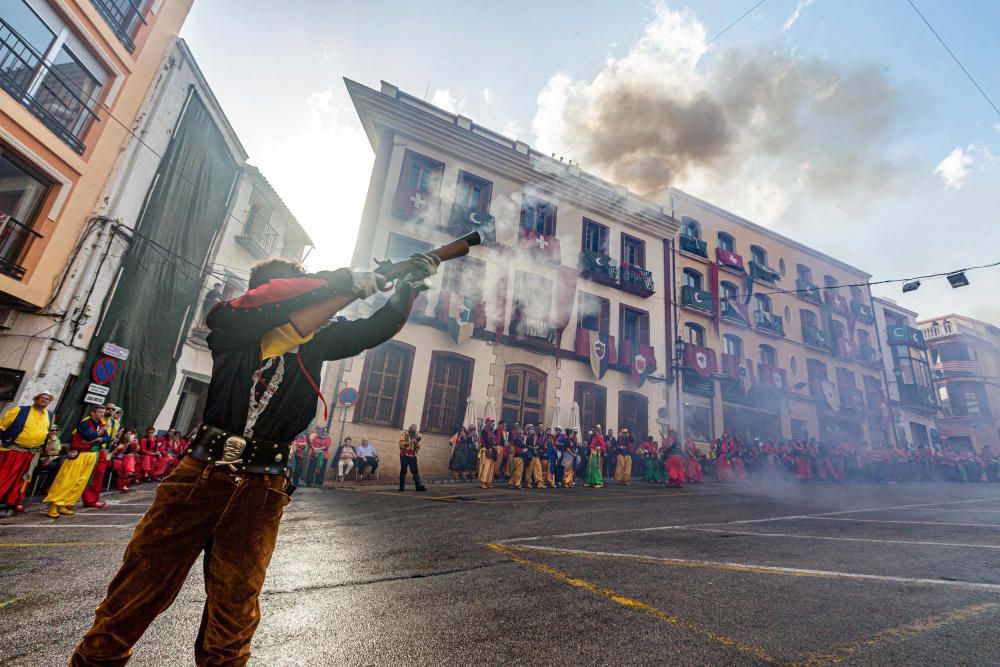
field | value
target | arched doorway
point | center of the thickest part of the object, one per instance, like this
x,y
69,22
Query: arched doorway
x,y
523,395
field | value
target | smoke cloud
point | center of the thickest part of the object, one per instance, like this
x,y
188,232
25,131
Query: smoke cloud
x,y
761,129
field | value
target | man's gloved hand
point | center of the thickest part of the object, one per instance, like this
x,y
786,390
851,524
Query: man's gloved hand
x,y
366,283
425,265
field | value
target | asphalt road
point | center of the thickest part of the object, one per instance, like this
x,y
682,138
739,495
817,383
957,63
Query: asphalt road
x,y
710,574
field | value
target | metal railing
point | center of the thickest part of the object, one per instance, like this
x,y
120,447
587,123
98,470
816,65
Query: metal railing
x,y
42,88
123,17
15,237
636,276
769,322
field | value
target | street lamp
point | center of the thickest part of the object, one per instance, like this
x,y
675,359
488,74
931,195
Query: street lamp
x,y
678,358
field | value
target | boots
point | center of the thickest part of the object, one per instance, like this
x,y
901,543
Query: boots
x,y
65,509
53,512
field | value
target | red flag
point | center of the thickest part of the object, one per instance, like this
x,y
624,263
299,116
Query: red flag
x,y
643,362
700,359
713,277
731,366
539,243
837,303
729,258
746,372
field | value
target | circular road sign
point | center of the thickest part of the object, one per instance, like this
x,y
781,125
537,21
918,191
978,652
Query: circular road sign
x,y
348,396
104,370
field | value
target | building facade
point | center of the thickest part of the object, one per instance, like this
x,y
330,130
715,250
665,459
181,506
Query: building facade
x,y
965,364
578,264
74,75
774,339
908,376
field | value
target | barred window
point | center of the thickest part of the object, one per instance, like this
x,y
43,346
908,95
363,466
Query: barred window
x,y
384,384
633,413
448,387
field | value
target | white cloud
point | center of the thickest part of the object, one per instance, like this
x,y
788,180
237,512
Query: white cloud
x,y
800,7
443,98
959,163
490,96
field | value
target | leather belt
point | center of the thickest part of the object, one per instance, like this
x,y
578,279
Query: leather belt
x,y
233,452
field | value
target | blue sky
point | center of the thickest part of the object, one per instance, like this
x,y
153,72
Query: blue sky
x,y
277,69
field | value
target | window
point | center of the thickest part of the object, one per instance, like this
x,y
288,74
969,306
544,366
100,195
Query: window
x,y
633,251
594,313
698,420
22,193
400,247
809,319
954,352
47,67
473,192
864,339
758,254
727,242
857,294
804,274
732,345
258,228
124,17
532,296
845,378
191,405
634,326
538,215
695,334
762,304
421,173
465,276
816,370
873,392
838,329
729,290
523,395
768,356
894,319
385,381
595,237
830,282
593,402
692,279
448,387
690,227
633,413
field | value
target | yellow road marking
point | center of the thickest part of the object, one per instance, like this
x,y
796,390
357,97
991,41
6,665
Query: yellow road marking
x,y
59,544
631,603
11,601
900,633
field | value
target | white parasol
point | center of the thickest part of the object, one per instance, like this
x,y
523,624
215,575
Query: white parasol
x,y
574,417
490,411
470,412
556,418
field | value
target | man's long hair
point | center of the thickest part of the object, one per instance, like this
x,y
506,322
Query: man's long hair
x,y
270,269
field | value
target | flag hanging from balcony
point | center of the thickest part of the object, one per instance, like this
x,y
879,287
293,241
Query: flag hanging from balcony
x,y
731,366
598,348
640,358
464,220
747,379
729,258
837,303
772,377
830,395
713,278
409,203
700,359
566,296
539,244
847,348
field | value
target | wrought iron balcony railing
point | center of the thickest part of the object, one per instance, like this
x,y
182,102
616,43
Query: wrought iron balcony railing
x,y
697,299
769,323
693,245
808,291
15,237
43,89
636,280
123,17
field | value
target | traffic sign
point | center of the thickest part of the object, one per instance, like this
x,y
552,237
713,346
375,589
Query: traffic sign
x,y
98,389
93,399
113,350
104,370
348,396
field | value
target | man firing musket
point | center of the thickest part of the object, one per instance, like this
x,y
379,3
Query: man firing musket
x,y
227,496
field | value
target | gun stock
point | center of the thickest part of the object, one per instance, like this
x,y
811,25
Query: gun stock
x,y
309,319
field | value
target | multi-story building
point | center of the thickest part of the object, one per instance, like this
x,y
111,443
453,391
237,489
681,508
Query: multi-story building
x,y
774,338
965,364
578,264
908,375
73,77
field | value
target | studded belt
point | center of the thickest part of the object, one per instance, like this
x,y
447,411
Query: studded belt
x,y
238,454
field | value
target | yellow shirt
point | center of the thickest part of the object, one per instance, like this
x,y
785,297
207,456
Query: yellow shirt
x,y
36,427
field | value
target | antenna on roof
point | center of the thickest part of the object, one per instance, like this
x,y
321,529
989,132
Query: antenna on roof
x,y
427,91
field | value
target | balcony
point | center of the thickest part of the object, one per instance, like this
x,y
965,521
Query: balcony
x,y
904,335
464,220
15,237
599,268
862,312
917,395
123,17
42,89
851,398
769,323
815,337
735,310
534,329
962,367
729,260
696,299
636,280
260,241
694,246
808,292
869,356
763,272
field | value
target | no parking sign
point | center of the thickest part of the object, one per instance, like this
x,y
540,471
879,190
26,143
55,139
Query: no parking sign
x,y
104,370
